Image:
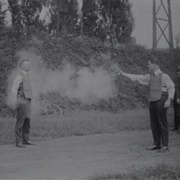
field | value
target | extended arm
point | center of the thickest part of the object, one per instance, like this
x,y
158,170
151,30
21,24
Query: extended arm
x,y
142,79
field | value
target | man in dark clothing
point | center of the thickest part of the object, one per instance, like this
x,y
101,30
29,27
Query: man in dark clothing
x,y
176,102
161,92
21,97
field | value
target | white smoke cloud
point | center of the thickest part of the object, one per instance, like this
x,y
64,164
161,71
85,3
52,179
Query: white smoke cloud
x,y
93,86
88,87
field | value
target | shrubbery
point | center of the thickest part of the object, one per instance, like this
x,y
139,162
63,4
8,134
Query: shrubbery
x,y
85,52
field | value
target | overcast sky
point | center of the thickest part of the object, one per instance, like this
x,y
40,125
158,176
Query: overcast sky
x,y
142,11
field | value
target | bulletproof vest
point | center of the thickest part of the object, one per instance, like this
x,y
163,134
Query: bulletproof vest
x,y
155,87
25,90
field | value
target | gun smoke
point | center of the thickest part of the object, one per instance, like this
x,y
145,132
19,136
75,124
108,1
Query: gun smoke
x,y
82,84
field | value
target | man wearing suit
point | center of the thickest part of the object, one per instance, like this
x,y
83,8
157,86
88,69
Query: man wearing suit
x,y
21,97
161,92
176,101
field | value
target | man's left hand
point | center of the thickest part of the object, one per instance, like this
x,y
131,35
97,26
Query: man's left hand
x,y
178,101
167,103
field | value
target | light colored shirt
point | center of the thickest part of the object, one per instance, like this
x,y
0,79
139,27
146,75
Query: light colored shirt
x,y
167,83
16,83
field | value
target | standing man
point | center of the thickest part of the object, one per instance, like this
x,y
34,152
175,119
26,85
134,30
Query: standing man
x,y
161,92
176,101
22,95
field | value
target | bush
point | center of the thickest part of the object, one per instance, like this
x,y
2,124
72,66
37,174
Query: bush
x,y
85,52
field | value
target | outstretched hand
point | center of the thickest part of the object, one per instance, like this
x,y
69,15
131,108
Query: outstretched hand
x,y
117,70
120,72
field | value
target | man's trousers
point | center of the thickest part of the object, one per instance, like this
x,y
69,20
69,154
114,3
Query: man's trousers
x,y
176,115
158,121
22,127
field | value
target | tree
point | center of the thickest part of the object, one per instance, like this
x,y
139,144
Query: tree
x,y
24,13
64,17
2,16
118,15
16,13
89,17
108,18
30,11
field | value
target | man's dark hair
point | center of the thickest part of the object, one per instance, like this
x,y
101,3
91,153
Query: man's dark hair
x,y
154,60
22,61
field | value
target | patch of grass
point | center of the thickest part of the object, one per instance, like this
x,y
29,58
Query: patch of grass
x,y
159,172
7,130
78,123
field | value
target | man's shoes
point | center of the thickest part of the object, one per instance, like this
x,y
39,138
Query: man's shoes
x,y
153,147
20,145
164,149
28,143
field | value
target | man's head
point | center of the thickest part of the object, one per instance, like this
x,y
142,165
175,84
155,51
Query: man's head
x,y
153,64
25,65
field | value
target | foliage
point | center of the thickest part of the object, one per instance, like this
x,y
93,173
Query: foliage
x,y
10,41
99,18
70,16
108,19
84,52
25,13
2,16
118,18
15,9
63,15
90,17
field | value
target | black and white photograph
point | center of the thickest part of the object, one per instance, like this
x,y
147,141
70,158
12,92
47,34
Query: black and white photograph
x,y
90,89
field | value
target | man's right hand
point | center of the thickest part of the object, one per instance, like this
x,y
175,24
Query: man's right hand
x,y
178,100
117,70
120,72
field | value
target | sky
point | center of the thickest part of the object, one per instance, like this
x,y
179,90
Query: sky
x,y
142,12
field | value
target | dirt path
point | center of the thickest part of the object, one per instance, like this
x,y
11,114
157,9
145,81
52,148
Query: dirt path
x,y
82,157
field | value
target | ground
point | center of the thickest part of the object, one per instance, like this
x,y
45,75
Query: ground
x,y
81,157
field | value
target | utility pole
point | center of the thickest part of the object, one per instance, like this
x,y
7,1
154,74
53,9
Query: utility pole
x,y
157,5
